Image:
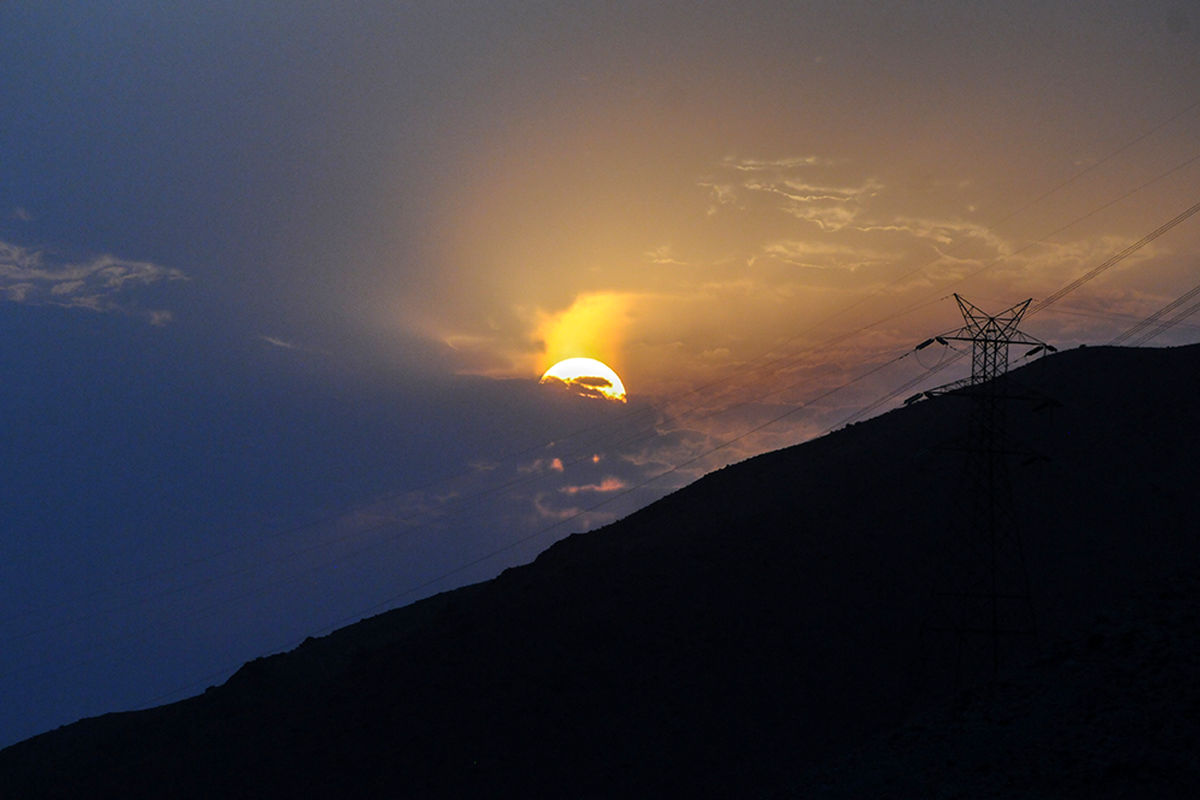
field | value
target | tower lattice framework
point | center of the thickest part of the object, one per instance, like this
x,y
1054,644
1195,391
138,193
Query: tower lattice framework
x,y
986,602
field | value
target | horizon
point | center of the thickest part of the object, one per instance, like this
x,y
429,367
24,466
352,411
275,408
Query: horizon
x,y
277,286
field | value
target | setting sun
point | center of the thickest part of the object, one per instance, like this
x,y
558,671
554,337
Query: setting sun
x,y
587,377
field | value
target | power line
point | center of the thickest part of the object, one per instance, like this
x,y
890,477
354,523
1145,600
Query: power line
x,y
1166,325
1115,258
1102,161
1153,318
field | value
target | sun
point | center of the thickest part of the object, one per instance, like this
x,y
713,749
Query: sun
x,y
587,377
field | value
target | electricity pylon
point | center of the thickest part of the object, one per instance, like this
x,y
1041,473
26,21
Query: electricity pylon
x,y
986,603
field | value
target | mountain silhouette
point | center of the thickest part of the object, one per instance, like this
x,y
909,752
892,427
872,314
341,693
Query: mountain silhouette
x,y
766,631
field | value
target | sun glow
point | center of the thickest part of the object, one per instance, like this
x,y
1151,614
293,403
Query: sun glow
x,y
587,377
594,323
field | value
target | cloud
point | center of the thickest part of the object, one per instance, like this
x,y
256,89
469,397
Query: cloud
x,y
17,292
591,386
580,518
775,164
608,484
720,194
277,342
554,464
827,201
944,232
821,254
830,207
663,254
102,283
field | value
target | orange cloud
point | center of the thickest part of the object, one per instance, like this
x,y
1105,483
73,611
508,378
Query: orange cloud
x,y
608,484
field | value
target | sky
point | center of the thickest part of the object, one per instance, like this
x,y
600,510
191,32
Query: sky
x,y
278,280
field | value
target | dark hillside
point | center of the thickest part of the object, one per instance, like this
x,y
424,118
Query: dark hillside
x,y
728,640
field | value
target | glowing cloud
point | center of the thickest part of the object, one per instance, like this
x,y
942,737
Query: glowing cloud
x,y
594,324
608,484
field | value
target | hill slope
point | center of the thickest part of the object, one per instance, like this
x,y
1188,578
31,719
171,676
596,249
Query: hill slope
x,y
740,635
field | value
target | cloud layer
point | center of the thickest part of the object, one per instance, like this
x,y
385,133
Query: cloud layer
x,y
98,283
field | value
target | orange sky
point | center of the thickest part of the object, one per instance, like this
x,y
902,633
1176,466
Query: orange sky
x,y
679,213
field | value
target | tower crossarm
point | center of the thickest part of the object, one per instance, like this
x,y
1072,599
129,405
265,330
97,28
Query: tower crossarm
x,y
1016,337
990,336
993,328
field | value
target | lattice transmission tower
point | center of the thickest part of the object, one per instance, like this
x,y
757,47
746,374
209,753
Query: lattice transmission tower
x,y
986,603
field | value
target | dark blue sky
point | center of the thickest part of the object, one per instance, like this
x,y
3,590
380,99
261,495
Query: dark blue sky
x,y
277,279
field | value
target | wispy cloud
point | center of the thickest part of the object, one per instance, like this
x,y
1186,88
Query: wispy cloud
x,y
665,255
830,207
809,187
720,194
943,232
775,164
815,252
281,343
100,283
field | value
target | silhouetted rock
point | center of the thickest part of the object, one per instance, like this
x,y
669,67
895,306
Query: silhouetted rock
x,y
762,631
